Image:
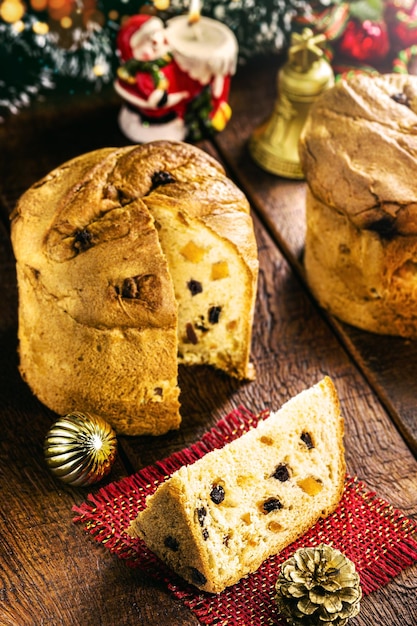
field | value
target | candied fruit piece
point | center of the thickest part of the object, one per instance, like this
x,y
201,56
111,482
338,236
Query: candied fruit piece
x,y
246,518
311,486
245,480
171,543
162,178
201,327
217,494
306,438
272,504
274,527
401,98
268,441
214,314
190,332
146,288
198,577
194,286
83,239
281,473
201,513
219,270
200,324
192,252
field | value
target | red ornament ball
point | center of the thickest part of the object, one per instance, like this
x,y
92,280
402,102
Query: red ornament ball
x,y
401,18
366,42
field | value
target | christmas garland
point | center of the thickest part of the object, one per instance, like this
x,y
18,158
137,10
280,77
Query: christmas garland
x,y
32,63
363,36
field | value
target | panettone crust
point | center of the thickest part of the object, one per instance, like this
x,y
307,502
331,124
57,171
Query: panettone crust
x,y
358,151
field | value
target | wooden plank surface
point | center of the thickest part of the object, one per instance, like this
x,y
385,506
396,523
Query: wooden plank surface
x,y
51,572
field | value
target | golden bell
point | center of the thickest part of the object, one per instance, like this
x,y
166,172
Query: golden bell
x,y
307,73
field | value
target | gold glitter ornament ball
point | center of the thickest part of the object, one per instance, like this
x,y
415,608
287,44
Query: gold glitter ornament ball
x,y
318,587
80,449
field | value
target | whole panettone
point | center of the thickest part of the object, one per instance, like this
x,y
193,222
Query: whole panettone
x,y
358,152
130,261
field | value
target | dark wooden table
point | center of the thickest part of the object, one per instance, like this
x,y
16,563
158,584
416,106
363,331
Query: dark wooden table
x,y
51,573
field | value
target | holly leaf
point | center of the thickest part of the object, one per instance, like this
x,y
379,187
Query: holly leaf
x,y
367,10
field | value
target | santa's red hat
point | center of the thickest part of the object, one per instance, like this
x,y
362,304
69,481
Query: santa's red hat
x,y
134,30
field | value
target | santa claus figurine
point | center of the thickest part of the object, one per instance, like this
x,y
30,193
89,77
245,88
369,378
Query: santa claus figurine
x,y
162,98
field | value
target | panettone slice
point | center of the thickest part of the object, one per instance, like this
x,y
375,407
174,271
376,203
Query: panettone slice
x,y
213,280
217,520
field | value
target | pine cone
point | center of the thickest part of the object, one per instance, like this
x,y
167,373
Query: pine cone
x,y
318,586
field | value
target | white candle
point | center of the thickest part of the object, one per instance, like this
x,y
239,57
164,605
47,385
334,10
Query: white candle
x,y
212,55
194,16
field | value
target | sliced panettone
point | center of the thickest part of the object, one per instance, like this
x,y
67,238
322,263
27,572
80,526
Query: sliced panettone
x,y
204,266
217,520
126,261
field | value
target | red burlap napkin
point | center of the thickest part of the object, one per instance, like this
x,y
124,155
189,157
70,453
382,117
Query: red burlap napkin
x,y
375,536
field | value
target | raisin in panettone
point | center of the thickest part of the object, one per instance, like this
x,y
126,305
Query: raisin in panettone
x,y
358,151
129,261
217,520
